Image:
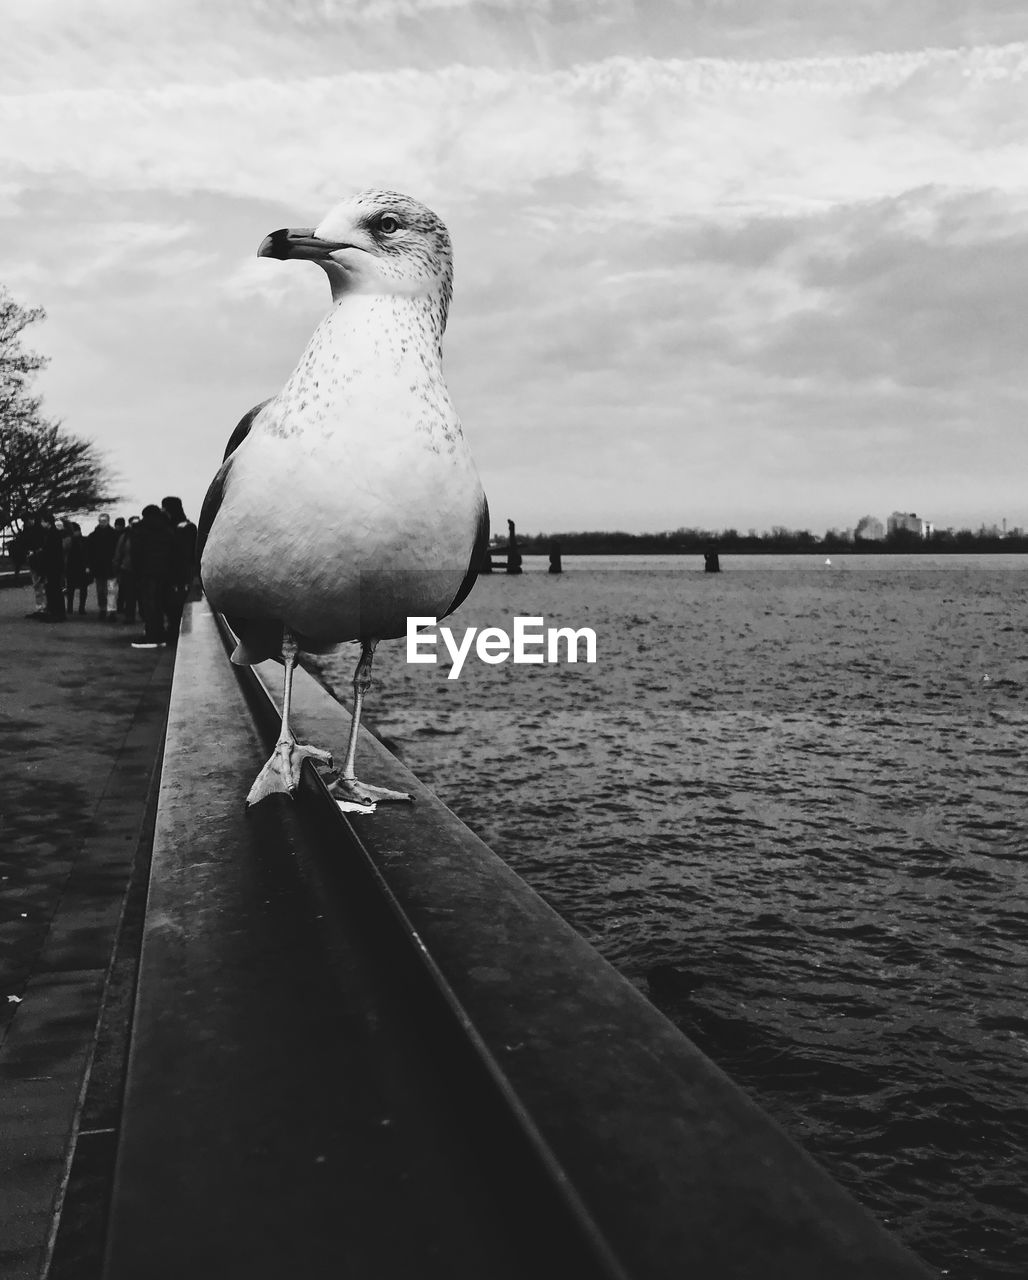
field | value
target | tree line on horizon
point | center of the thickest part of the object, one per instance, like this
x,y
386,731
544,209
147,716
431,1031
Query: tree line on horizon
x,y
776,541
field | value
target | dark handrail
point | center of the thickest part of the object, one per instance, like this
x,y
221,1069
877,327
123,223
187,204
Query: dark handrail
x,y
555,1122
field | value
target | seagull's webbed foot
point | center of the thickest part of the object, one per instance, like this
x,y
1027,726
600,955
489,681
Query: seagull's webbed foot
x,y
349,793
354,796
282,772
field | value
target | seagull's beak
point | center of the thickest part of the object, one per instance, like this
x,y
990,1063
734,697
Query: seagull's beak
x,y
298,242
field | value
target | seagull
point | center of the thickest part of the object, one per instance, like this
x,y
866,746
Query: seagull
x,y
349,501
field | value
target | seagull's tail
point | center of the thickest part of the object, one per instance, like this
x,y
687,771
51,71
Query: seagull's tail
x,y
255,641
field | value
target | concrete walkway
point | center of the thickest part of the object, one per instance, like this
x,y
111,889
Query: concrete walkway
x,y
81,726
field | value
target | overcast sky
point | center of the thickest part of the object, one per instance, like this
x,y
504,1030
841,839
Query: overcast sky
x,y
721,263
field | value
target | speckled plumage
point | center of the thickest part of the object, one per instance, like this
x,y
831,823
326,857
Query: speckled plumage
x,y
352,501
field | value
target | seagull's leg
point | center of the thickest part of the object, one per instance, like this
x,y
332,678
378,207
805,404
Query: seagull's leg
x,y
349,793
282,772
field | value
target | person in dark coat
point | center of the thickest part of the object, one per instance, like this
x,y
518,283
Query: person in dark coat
x,y
128,596
155,564
100,547
50,563
76,566
32,545
185,561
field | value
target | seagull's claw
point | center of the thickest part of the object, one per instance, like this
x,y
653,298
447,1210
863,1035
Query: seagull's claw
x,y
282,772
354,796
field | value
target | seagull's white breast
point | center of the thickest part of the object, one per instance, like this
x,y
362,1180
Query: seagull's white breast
x,y
354,501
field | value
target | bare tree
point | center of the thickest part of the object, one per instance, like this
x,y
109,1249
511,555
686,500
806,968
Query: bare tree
x,y
41,464
45,468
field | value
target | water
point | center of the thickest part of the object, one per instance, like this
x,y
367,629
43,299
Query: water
x,y
789,802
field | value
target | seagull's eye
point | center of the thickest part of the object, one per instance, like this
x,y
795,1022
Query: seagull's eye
x,y
388,224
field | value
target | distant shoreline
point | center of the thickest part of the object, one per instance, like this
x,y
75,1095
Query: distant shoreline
x,y
531,547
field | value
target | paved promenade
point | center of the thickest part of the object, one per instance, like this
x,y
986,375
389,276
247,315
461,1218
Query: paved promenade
x,y
81,724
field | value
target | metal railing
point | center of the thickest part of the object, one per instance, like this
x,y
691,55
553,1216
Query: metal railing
x,y
365,1047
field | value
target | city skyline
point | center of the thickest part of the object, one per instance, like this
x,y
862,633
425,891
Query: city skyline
x,y
746,262
983,529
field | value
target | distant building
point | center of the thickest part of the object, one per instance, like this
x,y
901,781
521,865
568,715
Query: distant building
x,y
902,522
869,529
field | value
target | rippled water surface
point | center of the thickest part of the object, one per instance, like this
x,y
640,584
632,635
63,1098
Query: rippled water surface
x,y
791,804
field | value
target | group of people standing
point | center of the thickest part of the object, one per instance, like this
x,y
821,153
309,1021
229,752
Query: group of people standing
x,y
147,563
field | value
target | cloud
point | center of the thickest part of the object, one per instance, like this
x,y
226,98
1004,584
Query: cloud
x,y
921,291
128,42
663,138
791,364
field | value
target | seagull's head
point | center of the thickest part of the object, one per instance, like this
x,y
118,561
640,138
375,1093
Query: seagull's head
x,y
374,242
